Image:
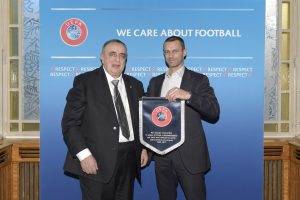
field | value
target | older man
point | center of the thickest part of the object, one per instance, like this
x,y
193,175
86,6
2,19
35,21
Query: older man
x,y
100,128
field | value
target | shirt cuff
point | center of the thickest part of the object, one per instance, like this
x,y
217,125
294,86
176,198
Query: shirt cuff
x,y
83,154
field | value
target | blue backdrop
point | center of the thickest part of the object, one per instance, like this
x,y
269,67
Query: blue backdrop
x,y
225,41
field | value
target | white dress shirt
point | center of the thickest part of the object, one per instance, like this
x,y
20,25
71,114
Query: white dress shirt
x,y
122,90
171,81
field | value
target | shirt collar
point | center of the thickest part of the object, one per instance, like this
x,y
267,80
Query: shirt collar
x,y
178,73
110,78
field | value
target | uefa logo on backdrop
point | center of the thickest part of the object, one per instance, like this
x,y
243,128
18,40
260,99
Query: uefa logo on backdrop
x,y
161,116
73,32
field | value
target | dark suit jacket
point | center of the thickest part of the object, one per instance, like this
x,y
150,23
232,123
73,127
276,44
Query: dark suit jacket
x,y
202,105
90,121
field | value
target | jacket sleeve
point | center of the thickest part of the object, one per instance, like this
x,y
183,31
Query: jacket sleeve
x,y
141,93
72,118
204,101
149,92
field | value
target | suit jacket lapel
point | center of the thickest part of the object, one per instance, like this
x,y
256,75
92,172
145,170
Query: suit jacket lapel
x,y
158,86
186,80
104,91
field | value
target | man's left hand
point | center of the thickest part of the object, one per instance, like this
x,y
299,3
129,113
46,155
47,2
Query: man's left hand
x,y
144,158
177,93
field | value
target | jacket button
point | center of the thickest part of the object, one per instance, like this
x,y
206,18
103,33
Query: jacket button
x,y
115,128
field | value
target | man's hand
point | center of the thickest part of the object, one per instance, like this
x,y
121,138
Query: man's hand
x,y
89,165
177,93
144,158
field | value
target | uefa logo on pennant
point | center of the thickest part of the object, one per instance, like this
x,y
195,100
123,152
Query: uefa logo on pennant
x,y
161,116
73,32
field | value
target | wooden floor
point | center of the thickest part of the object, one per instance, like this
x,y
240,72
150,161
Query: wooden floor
x,y
19,170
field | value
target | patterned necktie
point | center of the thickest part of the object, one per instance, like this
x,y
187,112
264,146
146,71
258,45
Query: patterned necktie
x,y
120,110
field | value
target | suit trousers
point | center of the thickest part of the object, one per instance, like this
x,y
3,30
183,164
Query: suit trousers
x,y
121,185
170,171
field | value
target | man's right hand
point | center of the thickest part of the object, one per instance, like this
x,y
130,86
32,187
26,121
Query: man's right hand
x,y
89,165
